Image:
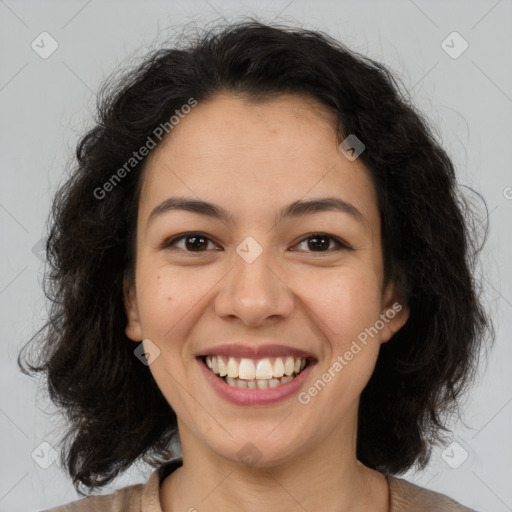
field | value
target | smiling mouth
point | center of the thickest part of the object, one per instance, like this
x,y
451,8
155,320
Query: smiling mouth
x,y
245,373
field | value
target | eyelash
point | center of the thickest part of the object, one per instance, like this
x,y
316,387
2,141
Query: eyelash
x,y
340,243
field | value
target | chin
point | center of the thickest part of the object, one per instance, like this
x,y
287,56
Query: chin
x,y
257,449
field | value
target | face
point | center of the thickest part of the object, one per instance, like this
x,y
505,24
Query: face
x,y
270,285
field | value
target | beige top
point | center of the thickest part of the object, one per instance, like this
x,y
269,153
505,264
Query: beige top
x,y
405,497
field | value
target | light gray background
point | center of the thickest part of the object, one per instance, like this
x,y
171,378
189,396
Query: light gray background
x,y
46,104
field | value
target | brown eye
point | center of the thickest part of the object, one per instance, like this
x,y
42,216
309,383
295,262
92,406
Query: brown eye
x,y
193,242
197,242
321,242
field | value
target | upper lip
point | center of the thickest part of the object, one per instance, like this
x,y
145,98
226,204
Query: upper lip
x,y
254,352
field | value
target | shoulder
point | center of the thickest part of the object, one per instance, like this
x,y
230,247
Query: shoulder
x,y
133,498
127,498
408,497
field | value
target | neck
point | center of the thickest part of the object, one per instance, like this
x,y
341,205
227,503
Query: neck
x,y
326,477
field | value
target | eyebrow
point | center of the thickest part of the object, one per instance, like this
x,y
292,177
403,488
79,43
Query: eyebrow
x,y
296,209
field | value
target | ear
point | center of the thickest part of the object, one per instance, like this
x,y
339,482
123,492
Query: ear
x,y
395,312
133,329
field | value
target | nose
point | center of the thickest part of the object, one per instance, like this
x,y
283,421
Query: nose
x,y
254,292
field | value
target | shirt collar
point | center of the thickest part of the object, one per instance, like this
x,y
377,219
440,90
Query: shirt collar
x,y
150,499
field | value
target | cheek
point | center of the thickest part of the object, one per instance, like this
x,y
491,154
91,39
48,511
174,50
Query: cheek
x,y
165,301
347,308
344,302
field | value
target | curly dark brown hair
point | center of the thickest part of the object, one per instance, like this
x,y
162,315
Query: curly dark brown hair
x,y
115,411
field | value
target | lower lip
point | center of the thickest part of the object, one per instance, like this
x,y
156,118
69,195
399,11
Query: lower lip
x,y
267,396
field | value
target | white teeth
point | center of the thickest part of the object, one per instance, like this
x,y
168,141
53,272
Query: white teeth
x,y
264,369
262,384
223,371
256,374
232,368
215,364
278,370
257,383
241,384
289,366
246,369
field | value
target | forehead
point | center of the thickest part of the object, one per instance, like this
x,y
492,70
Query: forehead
x,y
248,155
291,124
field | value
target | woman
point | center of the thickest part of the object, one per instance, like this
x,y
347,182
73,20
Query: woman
x,y
274,226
